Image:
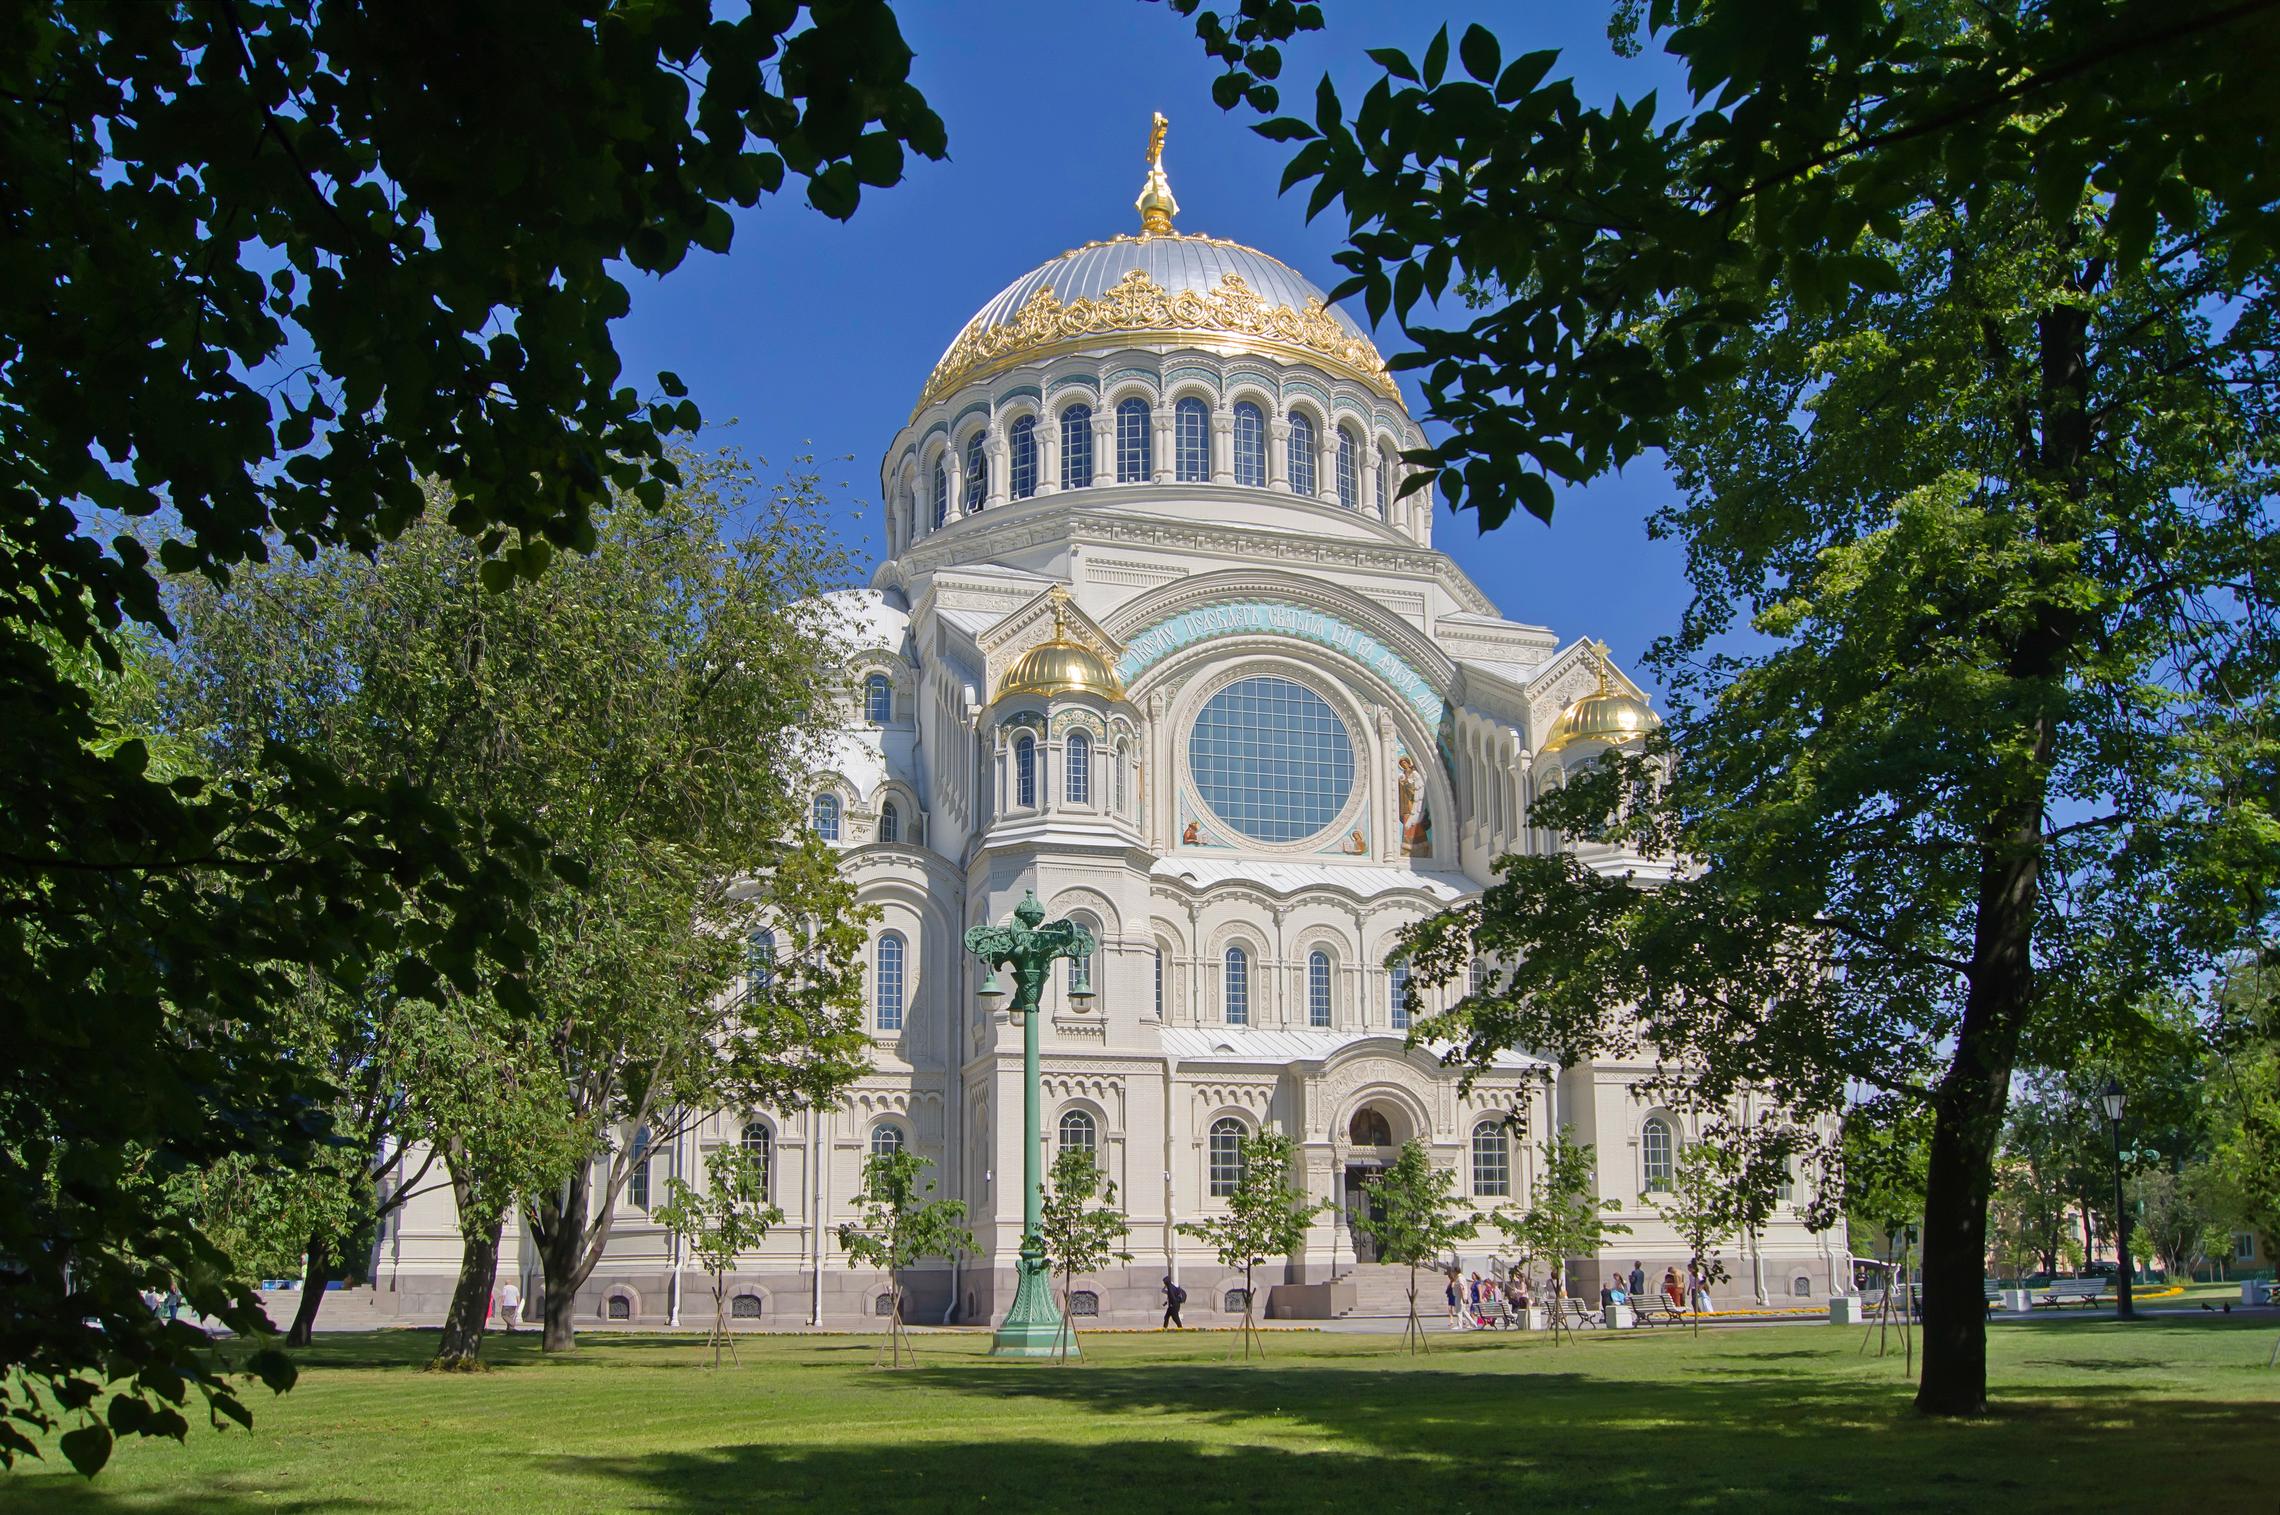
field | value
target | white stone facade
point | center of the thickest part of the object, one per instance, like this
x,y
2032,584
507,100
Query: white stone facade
x,y
1186,587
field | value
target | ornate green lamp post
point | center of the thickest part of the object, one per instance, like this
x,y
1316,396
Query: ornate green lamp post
x,y
1028,947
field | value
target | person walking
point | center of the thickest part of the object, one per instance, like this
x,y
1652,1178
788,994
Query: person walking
x,y
1174,1297
1698,1287
1638,1280
1477,1318
1449,1293
510,1306
1672,1290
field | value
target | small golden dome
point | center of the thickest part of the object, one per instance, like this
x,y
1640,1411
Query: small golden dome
x,y
1604,715
1061,666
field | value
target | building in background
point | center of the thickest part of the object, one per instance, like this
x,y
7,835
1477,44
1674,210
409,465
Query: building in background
x,y
1160,636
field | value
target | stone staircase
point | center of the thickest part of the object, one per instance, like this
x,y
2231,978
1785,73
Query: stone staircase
x,y
1383,1290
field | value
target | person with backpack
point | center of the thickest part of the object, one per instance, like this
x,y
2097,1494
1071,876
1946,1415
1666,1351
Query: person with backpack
x,y
1174,1297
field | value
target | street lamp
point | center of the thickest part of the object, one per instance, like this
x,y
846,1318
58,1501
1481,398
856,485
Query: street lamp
x,y
2113,1099
1028,946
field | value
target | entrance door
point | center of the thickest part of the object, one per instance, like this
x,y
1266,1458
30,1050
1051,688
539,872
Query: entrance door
x,y
1358,1204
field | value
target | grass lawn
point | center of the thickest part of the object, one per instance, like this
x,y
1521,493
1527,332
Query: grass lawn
x,y
2175,1414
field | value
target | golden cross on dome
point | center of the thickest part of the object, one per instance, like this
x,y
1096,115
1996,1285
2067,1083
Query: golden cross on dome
x,y
1156,205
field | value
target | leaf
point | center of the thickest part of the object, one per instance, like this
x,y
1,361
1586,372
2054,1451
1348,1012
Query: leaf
x,y
87,1448
1436,58
1394,62
1478,51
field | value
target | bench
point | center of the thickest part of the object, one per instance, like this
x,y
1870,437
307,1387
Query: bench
x,y
1657,1310
2072,1291
1580,1314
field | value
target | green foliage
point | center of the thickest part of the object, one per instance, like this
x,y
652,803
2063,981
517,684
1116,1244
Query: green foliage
x,y
1416,1216
262,283
1565,1217
1970,749
1079,1236
900,1226
1267,1216
728,1217
652,705
1886,1146
1705,1204
1627,249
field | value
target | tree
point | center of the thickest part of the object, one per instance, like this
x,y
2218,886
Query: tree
x,y
653,704
1416,1216
1951,318
1704,1207
900,1226
1078,1236
1267,1216
1565,1217
728,1217
259,290
2175,1221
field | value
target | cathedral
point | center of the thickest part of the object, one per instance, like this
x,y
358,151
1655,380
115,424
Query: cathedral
x,y
1160,637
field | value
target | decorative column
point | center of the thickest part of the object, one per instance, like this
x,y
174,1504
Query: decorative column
x,y
993,459
1028,946
1165,463
1222,445
954,468
1326,463
1104,446
1048,454
1278,453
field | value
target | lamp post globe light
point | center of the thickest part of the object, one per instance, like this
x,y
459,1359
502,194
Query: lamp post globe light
x,y
2125,1308
1028,947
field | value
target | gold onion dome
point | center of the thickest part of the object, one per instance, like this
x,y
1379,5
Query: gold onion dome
x,y
1604,715
1060,665
1160,287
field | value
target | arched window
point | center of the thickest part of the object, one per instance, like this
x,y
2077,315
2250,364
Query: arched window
x,y
1191,441
760,962
1134,444
1084,1302
744,1307
1299,456
887,982
1238,987
1250,445
1076,780
1080,968
1122,758
619,1307
1077,1131
1492,1161
886,1139
1785,1187
977,473
1801,1287
1318,989
1385,484
1655,1154
1021,445
941,493
878,699
890,823
637,1174
1076,447
827,817
1349,469
1025,770
1370,1128
1226,1156
1397,994
757,1143
1159,981
1476,977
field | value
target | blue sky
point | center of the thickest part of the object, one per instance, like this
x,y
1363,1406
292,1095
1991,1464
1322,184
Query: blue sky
x,y
815,336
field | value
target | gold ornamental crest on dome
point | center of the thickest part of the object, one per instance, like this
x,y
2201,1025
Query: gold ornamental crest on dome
x,y
1137,305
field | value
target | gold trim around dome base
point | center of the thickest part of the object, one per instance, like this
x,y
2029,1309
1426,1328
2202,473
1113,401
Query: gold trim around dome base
x,y
1138,308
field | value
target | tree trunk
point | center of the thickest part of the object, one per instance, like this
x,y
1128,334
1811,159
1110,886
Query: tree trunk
x,y
462,1346
315,1274
1967,1120
558,1227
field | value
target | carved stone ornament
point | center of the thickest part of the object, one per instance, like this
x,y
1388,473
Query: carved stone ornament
x,y
1138,306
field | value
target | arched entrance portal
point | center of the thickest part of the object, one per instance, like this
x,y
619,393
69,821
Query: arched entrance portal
x,y
1369,1135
